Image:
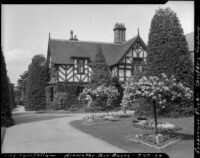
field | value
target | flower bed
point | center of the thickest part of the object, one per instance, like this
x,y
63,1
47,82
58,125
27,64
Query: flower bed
x,y
102,117
115,115
96,116
162,126
124,115
99,118
52,111
158,141
121,115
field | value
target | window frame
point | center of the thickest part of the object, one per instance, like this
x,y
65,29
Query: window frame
x,y
81,66
137,62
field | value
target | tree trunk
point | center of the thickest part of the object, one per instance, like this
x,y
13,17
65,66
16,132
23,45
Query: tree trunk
x,y
155,116
93,113
124,111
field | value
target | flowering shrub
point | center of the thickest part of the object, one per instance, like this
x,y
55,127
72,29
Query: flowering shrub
x,y
163,126
161,90
101,94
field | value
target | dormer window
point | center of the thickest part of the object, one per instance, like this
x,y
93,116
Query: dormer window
x,y
81,67
137,64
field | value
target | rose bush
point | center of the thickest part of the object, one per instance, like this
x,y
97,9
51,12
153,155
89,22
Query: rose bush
x,y
162,90
103,96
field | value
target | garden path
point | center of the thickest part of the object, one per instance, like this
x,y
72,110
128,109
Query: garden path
x,y
50,133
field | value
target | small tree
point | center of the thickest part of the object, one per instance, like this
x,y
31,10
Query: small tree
x,y
6,115
100,70
159,90
38,77
168,49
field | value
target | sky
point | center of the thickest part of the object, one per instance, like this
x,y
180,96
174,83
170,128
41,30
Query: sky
x,y
25,28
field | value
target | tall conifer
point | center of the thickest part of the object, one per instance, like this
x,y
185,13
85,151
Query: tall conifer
x,y
37,79
21,86
167,48
6,115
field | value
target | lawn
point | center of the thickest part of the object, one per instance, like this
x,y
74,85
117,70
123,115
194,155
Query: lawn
x,y
116,134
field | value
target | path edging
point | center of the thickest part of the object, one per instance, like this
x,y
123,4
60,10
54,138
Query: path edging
x,y
164,146
3,135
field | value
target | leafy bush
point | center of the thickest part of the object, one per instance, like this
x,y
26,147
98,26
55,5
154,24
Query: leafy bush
x,y
65,96
70,98
182,109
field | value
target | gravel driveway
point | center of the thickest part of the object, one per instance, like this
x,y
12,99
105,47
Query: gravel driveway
x,y
50,133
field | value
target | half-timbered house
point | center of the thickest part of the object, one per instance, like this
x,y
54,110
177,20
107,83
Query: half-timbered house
x,y
70,60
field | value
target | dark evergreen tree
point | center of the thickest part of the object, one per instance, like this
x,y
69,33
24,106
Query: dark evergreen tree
x,y
18,97
38,77
13,103
21,88
100,70
167,48
6,115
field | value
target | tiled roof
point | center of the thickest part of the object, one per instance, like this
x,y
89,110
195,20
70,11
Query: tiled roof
x,y
190,41
61,51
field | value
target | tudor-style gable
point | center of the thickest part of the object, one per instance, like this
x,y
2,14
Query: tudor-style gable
x,y
70,60
134,57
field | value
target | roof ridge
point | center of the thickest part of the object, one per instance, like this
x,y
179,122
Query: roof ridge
x,y
93,41
86,41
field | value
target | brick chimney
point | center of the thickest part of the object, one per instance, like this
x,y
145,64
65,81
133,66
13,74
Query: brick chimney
x,y
119,33
73,37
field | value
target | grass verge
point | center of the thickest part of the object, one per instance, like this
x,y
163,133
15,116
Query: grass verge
x,y
116,134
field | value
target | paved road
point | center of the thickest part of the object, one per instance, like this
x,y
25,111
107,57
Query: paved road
x,y
50,133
